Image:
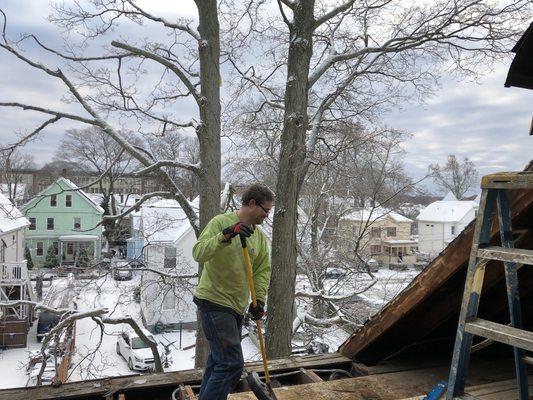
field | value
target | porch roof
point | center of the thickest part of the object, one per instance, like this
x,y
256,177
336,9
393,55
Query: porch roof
x,y
78,238
399,242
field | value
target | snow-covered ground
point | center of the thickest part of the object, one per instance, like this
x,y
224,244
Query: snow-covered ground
x,y
367,298
389,284
96,357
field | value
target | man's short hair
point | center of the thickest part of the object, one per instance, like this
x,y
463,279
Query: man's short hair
x,y
259,193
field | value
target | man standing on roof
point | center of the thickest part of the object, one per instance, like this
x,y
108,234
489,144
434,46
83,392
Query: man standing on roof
x,y
222,295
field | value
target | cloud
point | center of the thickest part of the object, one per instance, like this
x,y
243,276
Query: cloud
x,y
485,122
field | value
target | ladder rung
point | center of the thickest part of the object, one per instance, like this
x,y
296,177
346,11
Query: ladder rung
x,y
528,360
501,333
521,256
508,180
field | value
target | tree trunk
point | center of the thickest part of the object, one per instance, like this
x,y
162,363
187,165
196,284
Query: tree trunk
x,y
292,157
208,132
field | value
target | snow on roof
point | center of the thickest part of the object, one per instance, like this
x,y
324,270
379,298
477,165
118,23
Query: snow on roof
x,y
446,211
398,241
164,220
10,216
449,197
376,214
78,238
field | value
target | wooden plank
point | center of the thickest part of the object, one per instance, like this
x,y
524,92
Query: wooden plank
x,y
523,256
343,389
501,333
101,387
308,376
189,393
373,387
501,390
452,259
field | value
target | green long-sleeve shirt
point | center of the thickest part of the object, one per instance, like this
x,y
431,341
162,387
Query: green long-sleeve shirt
x,y
223,279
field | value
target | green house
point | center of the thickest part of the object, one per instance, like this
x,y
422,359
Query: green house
x,y
63,225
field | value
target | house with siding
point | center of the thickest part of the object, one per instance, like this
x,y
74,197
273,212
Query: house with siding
x,y
14,279
167,239
384,236
64,217
442,221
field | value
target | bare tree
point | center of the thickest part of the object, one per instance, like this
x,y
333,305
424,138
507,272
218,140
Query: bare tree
x,y
173,146
362,171
184,67
11,175
455,176
350,59
353,167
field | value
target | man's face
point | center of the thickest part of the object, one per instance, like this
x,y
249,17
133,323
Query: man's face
x,y
260,211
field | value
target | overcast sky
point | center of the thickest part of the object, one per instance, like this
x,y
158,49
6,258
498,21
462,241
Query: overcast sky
x,y
483,121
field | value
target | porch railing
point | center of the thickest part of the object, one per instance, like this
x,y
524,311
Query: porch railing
x,y
13,272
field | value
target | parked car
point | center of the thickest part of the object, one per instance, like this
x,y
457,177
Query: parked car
x,y
137,263
46,322
334,273
123,274
136,352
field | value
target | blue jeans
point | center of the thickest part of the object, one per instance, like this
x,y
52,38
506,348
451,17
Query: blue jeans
x,y
225,362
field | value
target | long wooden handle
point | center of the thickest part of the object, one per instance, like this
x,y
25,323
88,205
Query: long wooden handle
x,y
258,322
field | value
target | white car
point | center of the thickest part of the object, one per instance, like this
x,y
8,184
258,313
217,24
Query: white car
x,y
136,352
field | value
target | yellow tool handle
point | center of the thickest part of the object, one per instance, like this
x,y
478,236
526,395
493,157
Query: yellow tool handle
x,y
259,324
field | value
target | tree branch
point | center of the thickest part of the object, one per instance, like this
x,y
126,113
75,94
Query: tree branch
x,y
169,163
165,22
161,60
334,12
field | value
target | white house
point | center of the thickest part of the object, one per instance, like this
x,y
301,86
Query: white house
x,y
14,279
168,239
441,221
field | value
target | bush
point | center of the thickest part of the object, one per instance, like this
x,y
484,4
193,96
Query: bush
x,y
51,260
29,260
83,259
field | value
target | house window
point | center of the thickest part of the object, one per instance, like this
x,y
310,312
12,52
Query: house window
x,y
170,257
376,232
3,247
33,224
452,228
391,231
70,248
53,200
77,223
50,224
68,200
40,248
375,249
169,301
56,248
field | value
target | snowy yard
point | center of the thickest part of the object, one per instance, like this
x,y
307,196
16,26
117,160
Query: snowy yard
x,y
96,356
93,359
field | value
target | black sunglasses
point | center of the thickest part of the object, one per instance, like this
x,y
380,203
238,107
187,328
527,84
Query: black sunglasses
x,y
263,208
